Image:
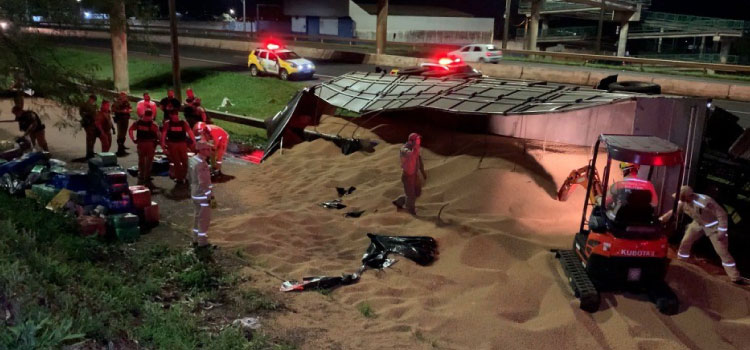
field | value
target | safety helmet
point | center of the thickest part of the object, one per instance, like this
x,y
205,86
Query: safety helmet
x,y
199,127
629,167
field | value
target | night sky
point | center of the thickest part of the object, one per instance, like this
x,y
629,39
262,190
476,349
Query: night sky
x,y
734,9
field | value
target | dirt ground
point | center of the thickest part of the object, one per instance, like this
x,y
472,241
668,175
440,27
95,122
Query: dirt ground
x,y
489,202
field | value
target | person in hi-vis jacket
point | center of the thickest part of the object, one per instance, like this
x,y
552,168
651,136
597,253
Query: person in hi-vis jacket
x,y
709,219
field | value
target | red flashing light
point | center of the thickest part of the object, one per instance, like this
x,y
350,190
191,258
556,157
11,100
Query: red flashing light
x,y
445,61
457,59
489,54
658,161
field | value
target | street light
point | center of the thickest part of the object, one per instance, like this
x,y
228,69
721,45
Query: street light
x,y
231,12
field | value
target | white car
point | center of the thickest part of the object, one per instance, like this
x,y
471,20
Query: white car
x,y
484,53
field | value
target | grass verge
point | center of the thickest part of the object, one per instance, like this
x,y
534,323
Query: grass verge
x,y
57,289
254,97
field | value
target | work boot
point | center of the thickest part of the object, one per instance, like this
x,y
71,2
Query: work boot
x,y
742,281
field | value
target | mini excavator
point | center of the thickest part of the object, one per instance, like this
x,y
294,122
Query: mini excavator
x,y
626,249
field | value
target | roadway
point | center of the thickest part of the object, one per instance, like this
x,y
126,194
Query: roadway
x,y
326,69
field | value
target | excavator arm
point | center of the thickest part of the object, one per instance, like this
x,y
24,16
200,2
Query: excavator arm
x,y
581,177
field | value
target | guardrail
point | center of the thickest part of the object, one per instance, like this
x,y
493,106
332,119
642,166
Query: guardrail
x,y
634,61
362,47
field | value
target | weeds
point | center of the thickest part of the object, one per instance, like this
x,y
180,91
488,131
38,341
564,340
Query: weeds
x,y
366,310
57,288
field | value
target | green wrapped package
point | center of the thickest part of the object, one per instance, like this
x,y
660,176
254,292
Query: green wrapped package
x,y
128,234
44,193
107,158
120,221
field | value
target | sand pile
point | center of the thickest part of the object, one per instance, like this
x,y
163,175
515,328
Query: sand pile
x,y
495,284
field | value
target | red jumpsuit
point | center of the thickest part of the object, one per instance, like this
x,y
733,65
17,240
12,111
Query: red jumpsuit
x,y
176,135
103,124
220,139
147,136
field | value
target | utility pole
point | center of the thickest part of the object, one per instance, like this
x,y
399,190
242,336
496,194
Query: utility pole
x,y
381,29
599,31
244,17
175,50
506,24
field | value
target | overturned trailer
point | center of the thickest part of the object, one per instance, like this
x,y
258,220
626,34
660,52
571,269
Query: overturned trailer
x,y
521,109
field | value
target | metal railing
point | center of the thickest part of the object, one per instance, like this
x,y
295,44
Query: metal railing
x,y
367,46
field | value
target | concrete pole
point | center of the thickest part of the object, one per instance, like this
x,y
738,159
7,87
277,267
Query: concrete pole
x,y
598,46
506,24
381,31
661,39
533,32
623,42
244,17
726,45
703,47
119,35
175,50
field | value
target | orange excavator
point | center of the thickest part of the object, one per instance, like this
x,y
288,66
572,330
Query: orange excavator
x,y
624,247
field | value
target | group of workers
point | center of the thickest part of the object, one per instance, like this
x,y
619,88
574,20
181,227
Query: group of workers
x,y
176,136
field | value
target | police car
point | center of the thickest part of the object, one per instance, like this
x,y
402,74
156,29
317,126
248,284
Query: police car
x,y
280,62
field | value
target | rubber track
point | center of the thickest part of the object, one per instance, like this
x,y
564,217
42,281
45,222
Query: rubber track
x,y
579,280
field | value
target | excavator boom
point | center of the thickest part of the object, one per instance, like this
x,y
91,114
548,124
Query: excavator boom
x,y
581,177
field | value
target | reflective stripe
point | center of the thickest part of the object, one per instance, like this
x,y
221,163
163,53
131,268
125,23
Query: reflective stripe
x,y
202,234
218,162
199,197
205,204
723,229
684,256
731,264
712,224
634,179
208,192
699,203
195,230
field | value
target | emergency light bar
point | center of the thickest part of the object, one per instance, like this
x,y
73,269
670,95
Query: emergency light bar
x,y
272,46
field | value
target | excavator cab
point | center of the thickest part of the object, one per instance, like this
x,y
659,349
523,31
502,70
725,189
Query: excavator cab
x,y
624,246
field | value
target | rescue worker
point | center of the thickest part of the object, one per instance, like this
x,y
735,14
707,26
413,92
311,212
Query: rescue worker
x,y
201,112
147,136
629,182
87,111
122,111
201,192
103,124
220,140
190,96
174,140
169,105
709,219
31,125
411,165
145,104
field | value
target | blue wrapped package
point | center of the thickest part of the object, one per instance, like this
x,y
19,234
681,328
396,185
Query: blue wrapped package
x,y
78,181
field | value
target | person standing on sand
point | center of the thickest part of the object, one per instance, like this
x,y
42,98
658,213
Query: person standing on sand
x,y
411,165
709,219
201,191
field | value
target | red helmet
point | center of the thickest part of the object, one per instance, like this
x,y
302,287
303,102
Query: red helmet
x,y
199,127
